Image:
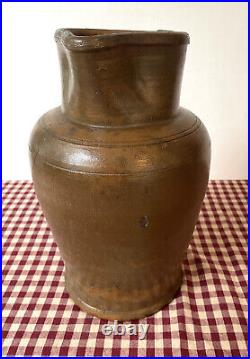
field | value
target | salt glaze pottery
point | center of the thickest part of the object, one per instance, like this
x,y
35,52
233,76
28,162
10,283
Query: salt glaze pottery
x,y
120,169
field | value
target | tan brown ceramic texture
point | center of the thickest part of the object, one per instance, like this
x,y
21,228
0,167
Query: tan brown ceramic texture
x,y
120,169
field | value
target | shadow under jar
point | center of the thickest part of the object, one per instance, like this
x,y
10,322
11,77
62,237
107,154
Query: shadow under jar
x,y
121,170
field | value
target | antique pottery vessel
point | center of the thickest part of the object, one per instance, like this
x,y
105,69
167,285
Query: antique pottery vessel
x,y
120,169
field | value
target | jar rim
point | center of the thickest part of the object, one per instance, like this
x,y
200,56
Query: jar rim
x,y
86,39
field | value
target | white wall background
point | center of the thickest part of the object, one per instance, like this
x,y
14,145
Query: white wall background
x,y
214,84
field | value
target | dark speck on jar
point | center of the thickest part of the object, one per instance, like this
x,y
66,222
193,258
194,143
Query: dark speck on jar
x,y
144,221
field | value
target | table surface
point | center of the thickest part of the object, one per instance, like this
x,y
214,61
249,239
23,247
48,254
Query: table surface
x,y
208,316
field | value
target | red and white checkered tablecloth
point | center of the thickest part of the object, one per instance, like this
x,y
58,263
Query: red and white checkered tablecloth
x,y
208,317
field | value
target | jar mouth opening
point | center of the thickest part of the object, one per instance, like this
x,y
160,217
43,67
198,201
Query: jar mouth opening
x,y
86,39
98,32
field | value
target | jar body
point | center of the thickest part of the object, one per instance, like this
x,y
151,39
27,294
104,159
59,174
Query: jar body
x,y
122,204
120,170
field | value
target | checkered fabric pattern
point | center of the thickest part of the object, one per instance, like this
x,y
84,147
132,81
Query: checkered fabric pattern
x,y
208,317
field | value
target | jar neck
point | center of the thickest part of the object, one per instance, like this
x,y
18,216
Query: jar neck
x,y
121,85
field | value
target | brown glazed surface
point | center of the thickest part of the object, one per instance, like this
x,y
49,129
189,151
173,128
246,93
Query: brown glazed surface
x,y
120,169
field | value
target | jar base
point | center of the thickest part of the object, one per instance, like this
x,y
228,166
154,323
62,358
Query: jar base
x,y
128,315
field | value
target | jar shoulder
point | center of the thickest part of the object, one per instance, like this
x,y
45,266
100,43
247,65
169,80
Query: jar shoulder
x,y
58,142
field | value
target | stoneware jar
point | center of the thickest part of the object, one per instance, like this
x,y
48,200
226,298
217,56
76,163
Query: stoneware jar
x,y
120,169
